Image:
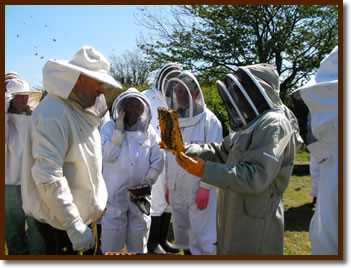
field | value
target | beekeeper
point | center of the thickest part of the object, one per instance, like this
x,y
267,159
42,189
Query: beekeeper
x,y
161,211
20,101
62,183
320,97
193,202
252,165
131,156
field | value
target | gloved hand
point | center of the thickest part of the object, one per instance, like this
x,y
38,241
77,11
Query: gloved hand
x,y
8,98
27,110
117,134
202,196
194,165
167,196
151,176
80,235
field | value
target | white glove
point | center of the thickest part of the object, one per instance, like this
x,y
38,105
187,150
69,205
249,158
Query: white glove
x,y
120,121
151,176
80,235
117,134
8,98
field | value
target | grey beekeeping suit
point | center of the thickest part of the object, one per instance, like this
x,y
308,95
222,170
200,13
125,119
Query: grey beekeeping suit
x,y
252,165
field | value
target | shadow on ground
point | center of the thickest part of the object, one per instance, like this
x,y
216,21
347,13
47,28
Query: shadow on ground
x,y
298,218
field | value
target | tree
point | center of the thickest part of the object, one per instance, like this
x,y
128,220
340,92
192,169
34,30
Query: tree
x,y
216,39
131,69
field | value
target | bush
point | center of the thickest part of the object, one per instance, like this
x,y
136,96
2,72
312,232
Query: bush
x,y
214,103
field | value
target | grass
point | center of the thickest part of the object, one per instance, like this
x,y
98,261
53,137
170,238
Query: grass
x,y
302,156
298,214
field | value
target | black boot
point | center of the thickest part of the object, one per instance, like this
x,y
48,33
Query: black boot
x,y
153,243
166,219
313,203
187,252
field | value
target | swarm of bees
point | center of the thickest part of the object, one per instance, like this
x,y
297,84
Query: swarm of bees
x,y
36,53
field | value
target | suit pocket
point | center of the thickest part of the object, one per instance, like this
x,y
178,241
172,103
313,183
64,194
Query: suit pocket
x,y
260,206
244,234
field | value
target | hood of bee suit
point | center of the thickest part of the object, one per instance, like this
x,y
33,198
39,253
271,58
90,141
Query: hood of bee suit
x,y
184,95
248,93
168,71
21,87
11,75
145,118
320,97
268,78
60,76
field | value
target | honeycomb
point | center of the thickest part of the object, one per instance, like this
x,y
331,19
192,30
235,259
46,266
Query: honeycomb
x,y
170,132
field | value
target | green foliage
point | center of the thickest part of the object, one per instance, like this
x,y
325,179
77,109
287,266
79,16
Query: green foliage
x,y
214,103
131,69
215,39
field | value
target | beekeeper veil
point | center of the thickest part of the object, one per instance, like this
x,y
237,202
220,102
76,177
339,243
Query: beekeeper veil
x,y
248,93
168,71
60,76
183,94
136,107
19,87
316,103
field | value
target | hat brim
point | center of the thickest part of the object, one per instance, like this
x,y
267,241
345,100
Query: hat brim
x,y
316,86
100,76
26,92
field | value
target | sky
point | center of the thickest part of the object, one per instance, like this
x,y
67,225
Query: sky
x,y
36,33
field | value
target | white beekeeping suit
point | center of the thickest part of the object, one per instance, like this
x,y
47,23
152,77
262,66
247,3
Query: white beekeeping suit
x,y
156,99
130,155
20,101
62,183
16,125
161,211
194,221
320,95
315,173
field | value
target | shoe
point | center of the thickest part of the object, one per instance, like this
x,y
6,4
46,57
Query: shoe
x,y
187,252
158,250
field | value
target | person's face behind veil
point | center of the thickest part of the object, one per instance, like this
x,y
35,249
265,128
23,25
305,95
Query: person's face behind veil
x,y
133,109
182,96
